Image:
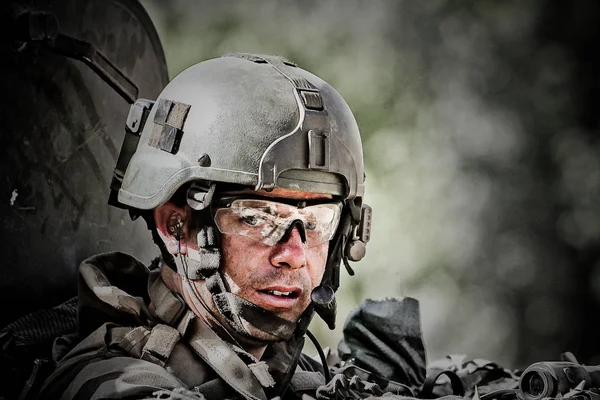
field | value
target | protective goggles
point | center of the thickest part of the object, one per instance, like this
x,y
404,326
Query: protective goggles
x,y
268,221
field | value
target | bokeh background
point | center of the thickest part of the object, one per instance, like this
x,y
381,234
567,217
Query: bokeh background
x,y
480,127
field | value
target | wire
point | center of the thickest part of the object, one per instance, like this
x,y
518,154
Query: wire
x,y
321,355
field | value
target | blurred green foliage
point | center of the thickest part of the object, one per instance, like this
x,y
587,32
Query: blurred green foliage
x,y
482,176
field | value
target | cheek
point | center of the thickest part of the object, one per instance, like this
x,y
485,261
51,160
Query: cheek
x,y
239,256
230,256
317,258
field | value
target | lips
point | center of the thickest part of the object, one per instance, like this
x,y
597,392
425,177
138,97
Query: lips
x,y
278,297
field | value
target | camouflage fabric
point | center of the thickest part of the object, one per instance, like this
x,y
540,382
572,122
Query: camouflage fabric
x,y
383,344
26,348
384,337
478,376
177,394
141,339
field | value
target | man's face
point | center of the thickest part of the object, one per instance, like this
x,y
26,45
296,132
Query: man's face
x,y
279,277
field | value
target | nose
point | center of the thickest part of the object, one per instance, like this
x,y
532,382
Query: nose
x,y
291,252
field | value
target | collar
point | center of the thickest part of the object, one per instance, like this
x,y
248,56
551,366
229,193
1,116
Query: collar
x,y
168,306
271,373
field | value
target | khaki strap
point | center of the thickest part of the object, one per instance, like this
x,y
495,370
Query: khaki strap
x,y
160,344
134,341
223,360
169,306
184,322
261,372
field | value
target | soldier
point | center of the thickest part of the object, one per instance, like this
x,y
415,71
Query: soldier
x,y
249,174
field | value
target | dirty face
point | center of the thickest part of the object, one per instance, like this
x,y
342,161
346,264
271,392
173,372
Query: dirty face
x,y
278,277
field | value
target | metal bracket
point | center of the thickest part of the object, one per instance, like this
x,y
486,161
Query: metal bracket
x,y
93,58
136,119
312,99
318,150
364,228
357,246
36,26
200,194
138,113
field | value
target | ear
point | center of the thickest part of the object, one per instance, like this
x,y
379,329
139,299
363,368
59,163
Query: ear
x,y
170,223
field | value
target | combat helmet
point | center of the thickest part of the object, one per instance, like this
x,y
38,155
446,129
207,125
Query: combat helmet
x,y
257,121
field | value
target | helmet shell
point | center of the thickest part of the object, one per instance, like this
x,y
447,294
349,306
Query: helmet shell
x,y
246,117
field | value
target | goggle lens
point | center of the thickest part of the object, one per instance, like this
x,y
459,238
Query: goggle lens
x,y
267,221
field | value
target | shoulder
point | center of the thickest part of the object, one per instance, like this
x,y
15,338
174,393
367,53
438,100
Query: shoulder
x,y
115,266
98,368
116,377
112,287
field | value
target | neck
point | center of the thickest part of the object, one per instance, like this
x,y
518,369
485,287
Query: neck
x,y
192,293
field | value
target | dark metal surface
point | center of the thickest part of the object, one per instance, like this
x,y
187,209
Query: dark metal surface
x,y
61,127
86,52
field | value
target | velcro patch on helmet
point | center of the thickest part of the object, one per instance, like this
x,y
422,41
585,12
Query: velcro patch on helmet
x,y
312,100
168,125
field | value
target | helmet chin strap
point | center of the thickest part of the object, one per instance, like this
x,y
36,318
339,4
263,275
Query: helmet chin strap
x,y
240,314
202,263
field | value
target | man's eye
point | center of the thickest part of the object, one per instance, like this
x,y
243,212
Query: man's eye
x,y
311,226
250,220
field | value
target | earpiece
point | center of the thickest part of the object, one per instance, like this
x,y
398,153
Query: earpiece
x,y
176,226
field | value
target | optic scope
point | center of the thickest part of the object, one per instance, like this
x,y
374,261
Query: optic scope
x,y
548,379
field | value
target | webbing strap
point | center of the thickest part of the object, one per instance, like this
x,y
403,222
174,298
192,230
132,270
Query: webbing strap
x,y
261,372
169,306
133,342
239,310
160,344
298,81
309,93
458,388
223,360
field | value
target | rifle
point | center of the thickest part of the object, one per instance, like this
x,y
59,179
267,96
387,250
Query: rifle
x,y
554,379
549,379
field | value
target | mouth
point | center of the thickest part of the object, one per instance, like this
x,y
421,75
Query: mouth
x,y
278,297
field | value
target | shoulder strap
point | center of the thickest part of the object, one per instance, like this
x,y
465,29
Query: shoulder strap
x,y
160,344
153,345
224,361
